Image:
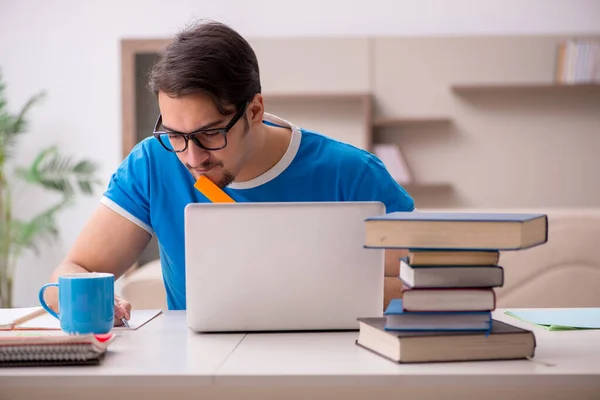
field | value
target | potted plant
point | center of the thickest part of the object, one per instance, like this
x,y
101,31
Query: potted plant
x,y
50,170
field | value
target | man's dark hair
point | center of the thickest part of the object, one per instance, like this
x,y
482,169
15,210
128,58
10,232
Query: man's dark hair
x,y
209,58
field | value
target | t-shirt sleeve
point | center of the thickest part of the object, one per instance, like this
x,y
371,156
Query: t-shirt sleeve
x,y
377,184
128,190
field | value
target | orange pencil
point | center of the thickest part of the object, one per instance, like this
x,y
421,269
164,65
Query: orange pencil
x,y
212,191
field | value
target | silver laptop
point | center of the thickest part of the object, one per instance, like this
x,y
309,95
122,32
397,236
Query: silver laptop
x,y
281,266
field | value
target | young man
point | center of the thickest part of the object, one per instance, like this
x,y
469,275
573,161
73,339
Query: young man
x,y
213,123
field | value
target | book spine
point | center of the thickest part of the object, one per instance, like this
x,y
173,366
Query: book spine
x,y
491,291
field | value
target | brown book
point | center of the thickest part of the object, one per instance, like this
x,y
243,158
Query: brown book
x,y
503,342
561,60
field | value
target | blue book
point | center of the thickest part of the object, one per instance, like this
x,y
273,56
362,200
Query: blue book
x,y
398,319
456,230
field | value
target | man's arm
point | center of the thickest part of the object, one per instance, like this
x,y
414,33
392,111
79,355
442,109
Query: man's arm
x,y
108,243
392,261
392,287
376,184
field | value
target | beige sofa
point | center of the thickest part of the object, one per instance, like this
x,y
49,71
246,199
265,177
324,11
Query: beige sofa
x,y
143,287
564,272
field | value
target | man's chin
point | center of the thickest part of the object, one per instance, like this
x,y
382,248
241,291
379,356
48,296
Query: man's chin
x,y
215,178
221,178
207,174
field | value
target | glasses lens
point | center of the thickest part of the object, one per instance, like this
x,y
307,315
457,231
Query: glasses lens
x,y
172,142
213,140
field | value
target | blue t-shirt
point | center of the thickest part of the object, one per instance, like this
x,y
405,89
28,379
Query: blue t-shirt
x,y
151,188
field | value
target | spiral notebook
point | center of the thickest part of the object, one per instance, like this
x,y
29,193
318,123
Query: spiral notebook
x,y
52,348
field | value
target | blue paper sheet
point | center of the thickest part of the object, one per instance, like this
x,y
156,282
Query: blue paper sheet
x,y
560,319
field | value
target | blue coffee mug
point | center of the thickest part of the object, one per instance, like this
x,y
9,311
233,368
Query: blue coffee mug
x,y
86,302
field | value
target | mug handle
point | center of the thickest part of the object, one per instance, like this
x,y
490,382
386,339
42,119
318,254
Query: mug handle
x,y
43,302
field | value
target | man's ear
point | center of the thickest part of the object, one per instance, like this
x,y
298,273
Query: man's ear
x,y
257,109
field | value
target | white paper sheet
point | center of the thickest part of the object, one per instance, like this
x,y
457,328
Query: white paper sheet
x,y
8,315
47,321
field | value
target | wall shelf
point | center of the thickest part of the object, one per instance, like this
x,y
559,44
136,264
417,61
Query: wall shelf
x,y
429,186
550,87
316,96
337,98
386,122
348,115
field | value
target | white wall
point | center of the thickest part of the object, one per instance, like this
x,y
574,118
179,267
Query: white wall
x,y
71,50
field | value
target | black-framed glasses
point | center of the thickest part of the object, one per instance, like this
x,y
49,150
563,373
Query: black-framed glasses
x,y
208,139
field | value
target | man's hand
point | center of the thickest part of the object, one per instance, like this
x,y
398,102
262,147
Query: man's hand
x,y
122,310
109,243
392,261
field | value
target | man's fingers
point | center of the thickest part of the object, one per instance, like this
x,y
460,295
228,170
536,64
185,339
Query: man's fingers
x,y
126,306
128,312
119,312
123,309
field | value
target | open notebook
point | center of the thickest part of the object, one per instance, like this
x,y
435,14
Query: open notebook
x,y
36,318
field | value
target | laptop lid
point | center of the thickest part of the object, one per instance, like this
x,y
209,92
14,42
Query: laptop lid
x,y
281,266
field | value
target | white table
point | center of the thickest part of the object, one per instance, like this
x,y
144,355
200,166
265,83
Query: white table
x,y
163,359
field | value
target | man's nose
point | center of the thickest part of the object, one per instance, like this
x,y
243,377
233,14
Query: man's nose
x,y
196,156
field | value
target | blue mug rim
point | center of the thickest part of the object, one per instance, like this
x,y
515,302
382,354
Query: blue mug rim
x,y
87,275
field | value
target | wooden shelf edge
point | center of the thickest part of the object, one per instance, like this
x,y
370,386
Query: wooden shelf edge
x,y
426,186
351,96
138,46
550,86
410,122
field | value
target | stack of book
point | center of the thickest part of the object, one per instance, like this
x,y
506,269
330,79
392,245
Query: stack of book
x,y
578,61
445,313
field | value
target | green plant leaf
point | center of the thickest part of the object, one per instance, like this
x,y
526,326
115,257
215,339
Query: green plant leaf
x,y
60,173
12,126
5,226
3,101
42,226
50,169
20,123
